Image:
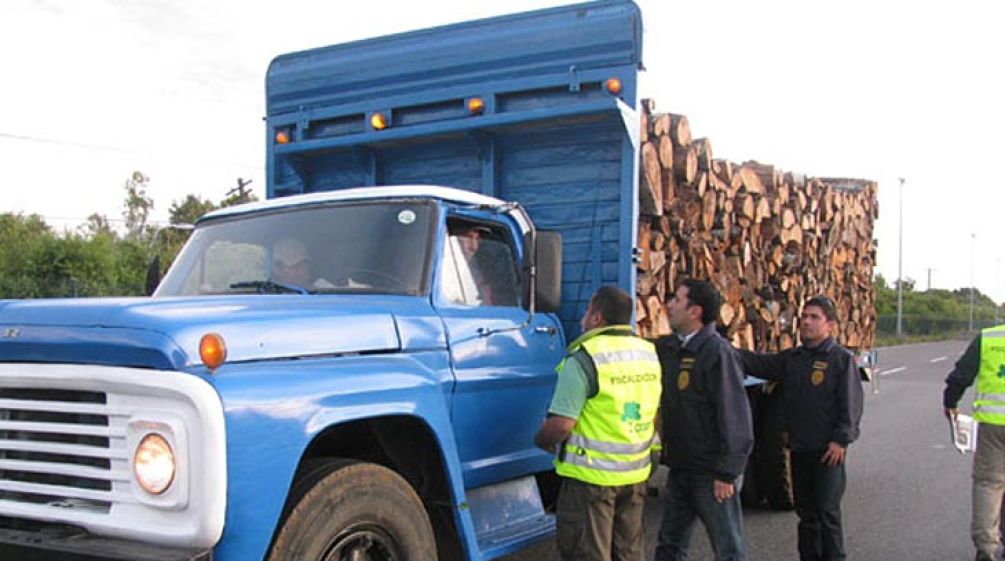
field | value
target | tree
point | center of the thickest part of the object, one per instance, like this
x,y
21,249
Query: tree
x,y
932,312
20,240
137,206
94,260
189,210
97,225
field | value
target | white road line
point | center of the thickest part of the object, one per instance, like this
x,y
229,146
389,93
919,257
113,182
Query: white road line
x,y
939,359
893,370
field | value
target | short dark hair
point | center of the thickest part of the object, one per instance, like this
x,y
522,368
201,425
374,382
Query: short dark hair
x,y
614,305
826,304
704,295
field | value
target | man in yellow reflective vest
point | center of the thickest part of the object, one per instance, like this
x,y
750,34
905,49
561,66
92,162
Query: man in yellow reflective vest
x,y
984,360
600,426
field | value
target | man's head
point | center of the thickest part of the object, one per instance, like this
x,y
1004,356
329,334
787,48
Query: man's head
x,y
609,306
818,320
290,262
694,304
470,238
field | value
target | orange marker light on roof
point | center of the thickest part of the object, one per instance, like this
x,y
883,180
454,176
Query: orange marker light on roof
x,y
476,106
613,86
378,121
282,137
212,350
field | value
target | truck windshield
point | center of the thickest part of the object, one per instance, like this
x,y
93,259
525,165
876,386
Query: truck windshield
x,y
361,247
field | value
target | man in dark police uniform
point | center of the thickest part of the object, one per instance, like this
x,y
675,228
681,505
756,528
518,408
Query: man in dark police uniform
x,y
822,398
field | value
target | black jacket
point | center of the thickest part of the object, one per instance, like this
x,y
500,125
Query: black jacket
x,y
706,416
964,374
821,391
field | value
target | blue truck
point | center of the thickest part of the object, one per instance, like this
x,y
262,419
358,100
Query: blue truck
x,y
334,373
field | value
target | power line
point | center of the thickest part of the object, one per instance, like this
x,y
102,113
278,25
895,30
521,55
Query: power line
x,y
86,146
66,143
83,219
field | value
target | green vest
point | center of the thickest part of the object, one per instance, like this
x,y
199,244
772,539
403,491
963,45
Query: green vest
x,y
989,405
611,441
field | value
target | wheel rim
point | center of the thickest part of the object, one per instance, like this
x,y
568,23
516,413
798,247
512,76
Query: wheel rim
x,y
363,542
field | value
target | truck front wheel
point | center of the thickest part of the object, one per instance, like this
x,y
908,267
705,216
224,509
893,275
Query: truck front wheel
x,y
349,511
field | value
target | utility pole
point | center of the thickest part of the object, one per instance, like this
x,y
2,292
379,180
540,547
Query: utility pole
x,y
998,284
930,269
973,241
242,192
900,262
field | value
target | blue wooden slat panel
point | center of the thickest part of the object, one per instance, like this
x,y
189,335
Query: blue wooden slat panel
x,y
573,271
595,35
451,163
568,177
572,234
584,252
581,194
335,171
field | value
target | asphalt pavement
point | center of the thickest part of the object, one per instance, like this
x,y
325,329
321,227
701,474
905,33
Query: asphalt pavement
x,y
908,495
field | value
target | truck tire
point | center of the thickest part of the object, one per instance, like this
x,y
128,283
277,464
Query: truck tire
x,y
773,467
345,510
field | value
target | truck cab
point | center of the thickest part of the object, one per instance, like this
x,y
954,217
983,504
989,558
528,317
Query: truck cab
x,y
356,332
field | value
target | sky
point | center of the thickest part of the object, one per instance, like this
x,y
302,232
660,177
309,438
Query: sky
x,y
880,89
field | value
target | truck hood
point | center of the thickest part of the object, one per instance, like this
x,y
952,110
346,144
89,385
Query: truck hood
x,y
165,332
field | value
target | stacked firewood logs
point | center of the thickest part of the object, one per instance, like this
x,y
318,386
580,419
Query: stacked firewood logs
x,y
769,240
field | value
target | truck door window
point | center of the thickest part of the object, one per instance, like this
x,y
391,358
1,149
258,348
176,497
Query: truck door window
x,y
478,267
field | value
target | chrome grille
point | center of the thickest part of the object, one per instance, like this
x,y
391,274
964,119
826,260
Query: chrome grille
x,y
67,435
58,447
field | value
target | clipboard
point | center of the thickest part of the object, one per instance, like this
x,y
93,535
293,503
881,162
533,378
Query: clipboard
x,y
963,433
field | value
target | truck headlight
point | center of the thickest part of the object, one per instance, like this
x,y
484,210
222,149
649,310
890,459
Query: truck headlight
x,y
154,464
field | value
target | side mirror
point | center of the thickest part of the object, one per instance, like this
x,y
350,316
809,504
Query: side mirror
x,y
548,267
153,275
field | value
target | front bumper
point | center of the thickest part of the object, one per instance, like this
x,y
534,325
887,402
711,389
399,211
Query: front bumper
x,y
63,543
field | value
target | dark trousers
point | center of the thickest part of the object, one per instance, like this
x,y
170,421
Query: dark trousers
x,y
691,496
817,490
598,523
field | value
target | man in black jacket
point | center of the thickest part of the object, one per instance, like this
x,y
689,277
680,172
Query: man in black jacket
x,y
822,402
707,431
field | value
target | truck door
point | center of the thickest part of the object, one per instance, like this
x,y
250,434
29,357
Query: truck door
x,y
504,365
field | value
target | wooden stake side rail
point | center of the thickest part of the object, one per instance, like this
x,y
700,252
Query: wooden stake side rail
x,y
768,239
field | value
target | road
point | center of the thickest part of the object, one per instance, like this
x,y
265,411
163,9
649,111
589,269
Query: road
x,y
908,495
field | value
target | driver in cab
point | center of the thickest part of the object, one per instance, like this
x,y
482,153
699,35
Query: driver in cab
x,y
291,265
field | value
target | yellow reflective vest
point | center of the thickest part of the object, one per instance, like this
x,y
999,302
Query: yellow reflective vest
x,y
989,405
611,441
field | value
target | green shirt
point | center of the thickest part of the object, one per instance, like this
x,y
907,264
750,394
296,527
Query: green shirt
x,y
571,391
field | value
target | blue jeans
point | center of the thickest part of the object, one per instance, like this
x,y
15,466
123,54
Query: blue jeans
x,y
691,496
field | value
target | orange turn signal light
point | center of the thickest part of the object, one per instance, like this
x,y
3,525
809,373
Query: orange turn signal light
x,y
378,121
476,106
212,350
613,86
282,137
